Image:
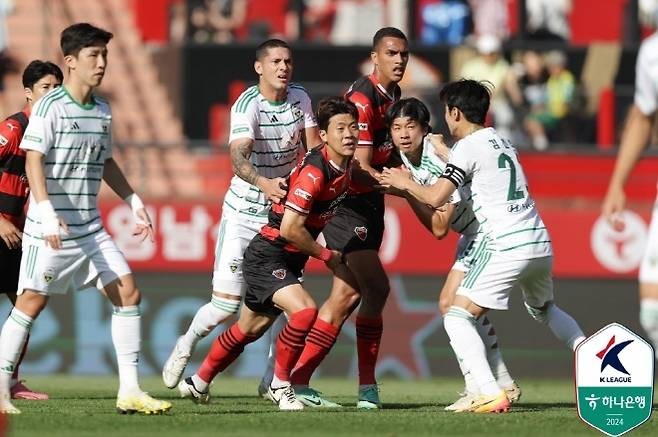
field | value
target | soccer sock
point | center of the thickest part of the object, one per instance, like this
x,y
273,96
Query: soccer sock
x,y
368,338
12,339
470,386
228,346
207,318
494,356
649,320
564,327
319,342
468,346
14,376
275,330
290,344
126,337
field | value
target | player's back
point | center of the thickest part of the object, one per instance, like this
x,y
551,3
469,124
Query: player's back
x,y
501,200
76,140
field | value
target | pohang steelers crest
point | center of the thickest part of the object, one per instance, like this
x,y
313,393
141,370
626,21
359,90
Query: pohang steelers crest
x,y
614,380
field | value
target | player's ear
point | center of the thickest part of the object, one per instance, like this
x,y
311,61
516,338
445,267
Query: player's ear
x,y
28,94
258,67
69,61
323,135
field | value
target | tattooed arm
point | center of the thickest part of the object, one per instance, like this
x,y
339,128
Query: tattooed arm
x,y
240,150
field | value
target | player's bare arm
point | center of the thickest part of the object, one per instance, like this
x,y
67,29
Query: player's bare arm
x,y
50,222
274,189
437,221
10,234
293,230
434,195
116,180
440,148
634,140
312,138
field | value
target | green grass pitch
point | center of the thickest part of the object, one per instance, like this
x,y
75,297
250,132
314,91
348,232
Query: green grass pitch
x,y
84,406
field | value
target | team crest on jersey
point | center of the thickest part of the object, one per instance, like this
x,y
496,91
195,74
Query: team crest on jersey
x,y
361,232
279,274
49,275
3,141
233,267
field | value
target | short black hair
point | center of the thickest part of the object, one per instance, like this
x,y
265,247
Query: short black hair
x,y
80,35
331,106
36,70
387,32
263,47
471,97
410,107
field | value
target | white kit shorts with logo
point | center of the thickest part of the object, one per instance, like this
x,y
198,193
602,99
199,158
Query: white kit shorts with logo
x,y
94,260
493,275
649,265
234,235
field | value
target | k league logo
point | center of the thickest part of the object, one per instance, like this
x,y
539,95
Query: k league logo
x,y
614,380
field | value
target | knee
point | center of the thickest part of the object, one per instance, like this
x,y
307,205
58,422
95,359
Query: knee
x,y
131,296
540,314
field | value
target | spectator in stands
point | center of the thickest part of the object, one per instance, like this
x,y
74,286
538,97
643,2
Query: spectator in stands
x,y
216,20
490,18
491,66
561,86
444,22
548,19
310,20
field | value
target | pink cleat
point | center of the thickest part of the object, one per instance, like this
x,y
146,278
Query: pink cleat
x,y
20,391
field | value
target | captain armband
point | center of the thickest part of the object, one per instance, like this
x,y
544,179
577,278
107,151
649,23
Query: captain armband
x,y
454,174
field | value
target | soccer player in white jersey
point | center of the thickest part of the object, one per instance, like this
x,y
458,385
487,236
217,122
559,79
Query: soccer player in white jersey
x,y
408,122
636,136
516,247
65,247
272,123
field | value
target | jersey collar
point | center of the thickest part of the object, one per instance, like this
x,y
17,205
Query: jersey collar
x,y
381,88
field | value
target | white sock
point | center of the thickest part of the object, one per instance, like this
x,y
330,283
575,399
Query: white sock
x,y
275,329
12,338
467,344
470,385
494,356
278,383
126,337
649,320
199,383
564,327
207,318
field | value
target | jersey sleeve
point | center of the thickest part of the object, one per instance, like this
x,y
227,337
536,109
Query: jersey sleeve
x,y
307,108
305,189
9,137
646,94
243,122
40,132
366,115
109,144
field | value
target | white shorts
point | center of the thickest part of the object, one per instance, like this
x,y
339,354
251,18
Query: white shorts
x,y
466,248
491,278
649,265
90,261
234,235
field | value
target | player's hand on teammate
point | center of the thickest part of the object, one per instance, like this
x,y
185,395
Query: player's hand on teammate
x,y
613,206
393,191
10,234
395,177
144,225
275,189
335,260
440,148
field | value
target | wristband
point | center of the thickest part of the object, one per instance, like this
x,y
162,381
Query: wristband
x,y
48,217
325,255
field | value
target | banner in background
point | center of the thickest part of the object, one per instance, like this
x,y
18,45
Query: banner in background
x,y
584,245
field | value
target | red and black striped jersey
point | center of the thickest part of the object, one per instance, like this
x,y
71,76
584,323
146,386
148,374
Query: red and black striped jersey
x,y
14,188
372,101
316,187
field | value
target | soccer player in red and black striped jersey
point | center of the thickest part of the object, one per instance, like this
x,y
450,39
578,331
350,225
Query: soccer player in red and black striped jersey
x,y
275,258
357,230
39,77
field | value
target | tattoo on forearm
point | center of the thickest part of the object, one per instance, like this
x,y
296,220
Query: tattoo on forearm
x,y
242,167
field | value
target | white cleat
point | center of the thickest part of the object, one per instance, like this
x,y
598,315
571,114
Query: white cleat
x,y
513,392
6,407
285,398
175,365
462,404
188,390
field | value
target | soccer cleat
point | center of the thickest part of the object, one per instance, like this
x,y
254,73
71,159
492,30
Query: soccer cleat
x,y
285,398
513,392
175,365
20,391
491,403
141,403
6,407
188,390
369,398
463,403
311,398
262,389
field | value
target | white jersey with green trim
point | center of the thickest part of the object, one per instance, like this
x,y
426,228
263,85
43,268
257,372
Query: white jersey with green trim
x,y
76,140
501,200
277,129
428,172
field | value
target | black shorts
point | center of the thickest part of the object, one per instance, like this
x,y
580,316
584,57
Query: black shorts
x,y
358,224
10,264
266,269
